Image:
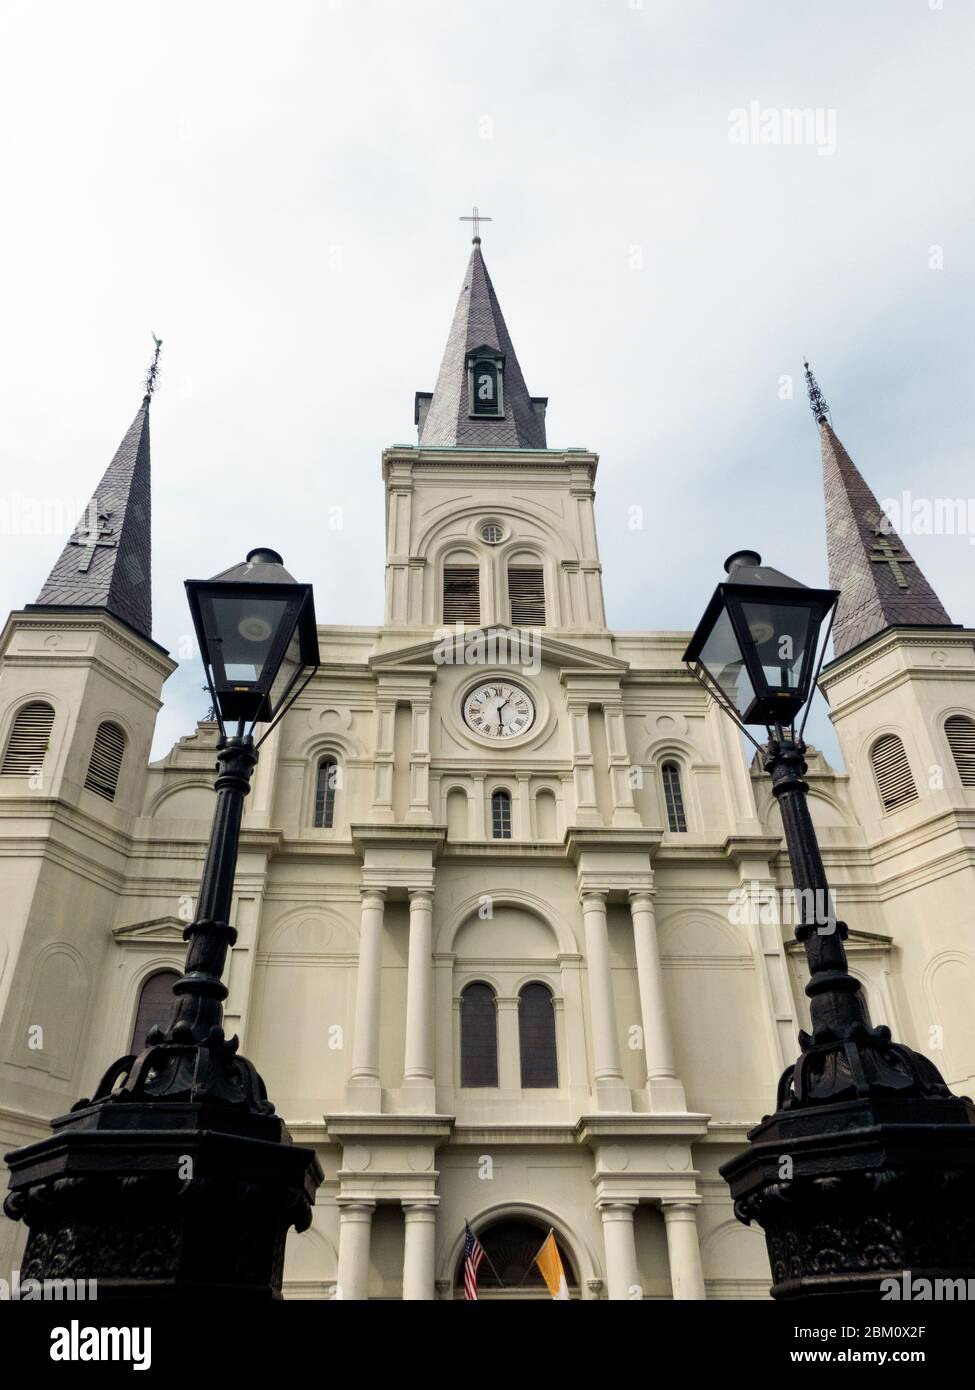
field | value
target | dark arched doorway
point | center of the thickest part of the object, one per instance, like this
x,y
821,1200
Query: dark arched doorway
x,y
509,1270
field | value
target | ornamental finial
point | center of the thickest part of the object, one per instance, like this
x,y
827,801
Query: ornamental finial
x,y
152,375
817,401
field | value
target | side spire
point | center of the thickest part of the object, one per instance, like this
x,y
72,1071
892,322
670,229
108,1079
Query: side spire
x,y
457,414
880,583
106,563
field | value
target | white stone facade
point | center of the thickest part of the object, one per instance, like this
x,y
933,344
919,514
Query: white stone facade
x,y
674,1015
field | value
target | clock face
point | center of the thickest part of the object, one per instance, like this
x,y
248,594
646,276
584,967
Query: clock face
x,y
498,709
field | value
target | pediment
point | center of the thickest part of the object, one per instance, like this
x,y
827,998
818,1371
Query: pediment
x,y
555,652
157,931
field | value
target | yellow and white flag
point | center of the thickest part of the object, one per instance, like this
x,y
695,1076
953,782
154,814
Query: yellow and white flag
x,y
549,1263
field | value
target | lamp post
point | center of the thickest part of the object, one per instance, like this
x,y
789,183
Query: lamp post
x,y
177,1176
866,1171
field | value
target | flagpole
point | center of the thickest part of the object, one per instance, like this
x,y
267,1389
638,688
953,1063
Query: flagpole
x,y
469,1227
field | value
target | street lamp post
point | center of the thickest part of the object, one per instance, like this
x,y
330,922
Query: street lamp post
x,y
177,1176
866,1171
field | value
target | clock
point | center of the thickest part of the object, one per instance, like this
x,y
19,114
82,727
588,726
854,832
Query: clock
x,y
498,709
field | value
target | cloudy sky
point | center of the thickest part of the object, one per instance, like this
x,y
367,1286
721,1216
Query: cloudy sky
x,y
274,190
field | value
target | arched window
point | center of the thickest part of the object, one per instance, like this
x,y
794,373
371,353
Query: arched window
x,y
478,1036
105,762
960,732
155,1005
893,772
326,783
526,591
501,815
673,797
511,1246
536,1035
28,739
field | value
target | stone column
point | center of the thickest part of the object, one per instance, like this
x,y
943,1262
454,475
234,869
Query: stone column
x,y
684,1250
663,1087
364,1088
418,1083
622,1274
610,1092
420,1235
355,1229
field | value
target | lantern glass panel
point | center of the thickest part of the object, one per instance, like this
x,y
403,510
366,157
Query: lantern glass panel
x,y
781,633
246,629
291,664
721,657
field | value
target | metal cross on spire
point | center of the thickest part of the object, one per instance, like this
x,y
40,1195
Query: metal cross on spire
x,y
889,555
817,401
477,219
152,375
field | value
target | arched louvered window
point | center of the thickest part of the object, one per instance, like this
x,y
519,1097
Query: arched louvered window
x,y
478,1036
526,590
536,1035
105,762
462,594
893,772
28,739
155,1005
960,732
501,815
673,797
326,785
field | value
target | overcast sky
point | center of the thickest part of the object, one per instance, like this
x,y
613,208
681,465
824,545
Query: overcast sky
x,y
274,189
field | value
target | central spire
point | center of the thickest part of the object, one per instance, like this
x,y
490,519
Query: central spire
x,y
480,400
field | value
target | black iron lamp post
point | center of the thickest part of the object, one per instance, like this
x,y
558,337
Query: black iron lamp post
x,y
177,1176
866,1171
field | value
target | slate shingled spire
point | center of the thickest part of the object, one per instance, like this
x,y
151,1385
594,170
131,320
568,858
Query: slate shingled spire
x,y
880,585
478,322
106,562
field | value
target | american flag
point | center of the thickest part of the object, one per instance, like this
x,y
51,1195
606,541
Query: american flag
x,y
473,1255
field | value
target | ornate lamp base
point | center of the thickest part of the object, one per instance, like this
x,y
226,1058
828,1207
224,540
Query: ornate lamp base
x,y
162,1197
865,1189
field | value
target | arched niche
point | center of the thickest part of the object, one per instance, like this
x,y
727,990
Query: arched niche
x,y
54,1019
457,812
510,933
734,1251
310,1263
826,813
479,905
191,801
546,815
949,985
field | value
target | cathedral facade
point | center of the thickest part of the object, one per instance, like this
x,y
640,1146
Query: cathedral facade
x,y
513,941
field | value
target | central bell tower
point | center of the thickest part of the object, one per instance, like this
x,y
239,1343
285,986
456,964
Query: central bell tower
x,y
485,524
